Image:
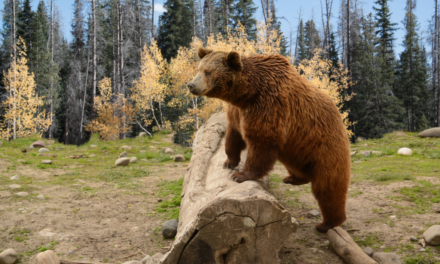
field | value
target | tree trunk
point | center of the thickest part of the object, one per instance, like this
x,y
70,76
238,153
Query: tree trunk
x,y
152,21
14,52
94,56
194,18
436,63
222,221
346,248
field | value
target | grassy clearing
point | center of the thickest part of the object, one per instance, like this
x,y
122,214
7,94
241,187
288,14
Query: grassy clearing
x,y
170,191
422,196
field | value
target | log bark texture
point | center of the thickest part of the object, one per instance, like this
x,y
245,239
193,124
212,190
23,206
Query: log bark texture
x,y
222,221
346,248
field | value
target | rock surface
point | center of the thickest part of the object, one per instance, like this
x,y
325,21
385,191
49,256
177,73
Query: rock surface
x,y
39,144
142,134
47,257
123,154
168,151
405,151
169,229
9,256
46,233
386,258
154,259
14,186
432,132
43,150
432,235
132,262
352,152
122,162
179,158
313,213
126,147
46,162
368,251
22,194
144,260
133,160
15,177
93,146
41,197
366,153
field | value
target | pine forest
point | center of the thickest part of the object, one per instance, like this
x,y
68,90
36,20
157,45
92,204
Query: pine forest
x,y
121,73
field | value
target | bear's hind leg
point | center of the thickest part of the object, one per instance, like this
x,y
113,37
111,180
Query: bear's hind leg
x,y
233,147
295,180
331,193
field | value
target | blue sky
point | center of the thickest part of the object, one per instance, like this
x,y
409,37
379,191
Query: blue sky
x,y
289,9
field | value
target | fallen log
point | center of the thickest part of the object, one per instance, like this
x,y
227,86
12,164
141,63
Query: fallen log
x,y
222,221
346,248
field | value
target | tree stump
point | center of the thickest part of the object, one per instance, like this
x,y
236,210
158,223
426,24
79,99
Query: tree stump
x,y
222,221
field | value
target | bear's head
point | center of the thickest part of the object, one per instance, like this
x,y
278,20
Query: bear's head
x,y
218,74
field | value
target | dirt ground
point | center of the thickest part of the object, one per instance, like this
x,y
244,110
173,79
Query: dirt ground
x,y
114,225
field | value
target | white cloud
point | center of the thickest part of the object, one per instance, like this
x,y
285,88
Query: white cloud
x,y
159,8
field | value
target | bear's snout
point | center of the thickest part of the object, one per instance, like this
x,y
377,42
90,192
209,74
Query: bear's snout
x,y
191,87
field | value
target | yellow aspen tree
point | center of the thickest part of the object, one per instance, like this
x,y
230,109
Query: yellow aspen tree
x,y
115,114
149,88
22,104
319,72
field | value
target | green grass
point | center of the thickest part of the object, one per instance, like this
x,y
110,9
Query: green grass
x,y
171,191
124,177
423,195
368,241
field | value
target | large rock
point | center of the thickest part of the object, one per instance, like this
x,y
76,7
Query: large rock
x,y
133,160
46,162
405,151
386,258
168,151
432,235
179,157
39,144
43,150
14,186
432,132
169,229
47,257
155,259
47,233
123,154
9,256
368,251
122,162
22,194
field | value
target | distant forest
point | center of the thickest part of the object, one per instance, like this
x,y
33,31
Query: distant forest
x,y
113,43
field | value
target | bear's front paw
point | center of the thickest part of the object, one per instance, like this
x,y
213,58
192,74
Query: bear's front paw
x,y
229,164
243,176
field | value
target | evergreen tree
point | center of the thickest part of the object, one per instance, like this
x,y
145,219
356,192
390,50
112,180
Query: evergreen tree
x,y
224,14
302,47
276,25
411,84
24,27
244,13
385,31
333,54
175,29
313,41
374,107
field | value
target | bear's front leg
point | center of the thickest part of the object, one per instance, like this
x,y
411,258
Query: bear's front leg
x,y
233,147
259,162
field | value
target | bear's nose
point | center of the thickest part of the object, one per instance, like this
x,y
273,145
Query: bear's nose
x,y
191,86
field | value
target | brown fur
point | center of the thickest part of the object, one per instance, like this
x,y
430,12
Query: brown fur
x,y
277,114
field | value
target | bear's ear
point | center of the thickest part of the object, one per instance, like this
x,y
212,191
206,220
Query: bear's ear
x,y
233,60
202,52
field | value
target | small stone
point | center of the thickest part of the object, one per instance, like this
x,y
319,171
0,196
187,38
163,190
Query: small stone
x,y
179,157
91,156
42,209
41,197
366,153
357,161
43,150
46,162
152,147
14,186
405,151
70,252
106,240
159,200
313,213
144,260
22,194
169,228
142,134
47,257
122,162
422,242
413,238
422,249
123,154
39,144
133,160
393,217
368,251
9,256
416,228
376,152
352,153
432,235
126,147
15,177
168,151
46,233
386,258
31,147
93,146
142,151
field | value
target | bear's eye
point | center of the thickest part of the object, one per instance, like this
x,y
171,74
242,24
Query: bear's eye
x,y
207,73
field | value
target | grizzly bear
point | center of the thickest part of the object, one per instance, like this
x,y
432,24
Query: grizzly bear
x,y
278,115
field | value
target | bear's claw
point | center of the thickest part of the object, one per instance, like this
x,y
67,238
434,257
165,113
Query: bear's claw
x,y
229,165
